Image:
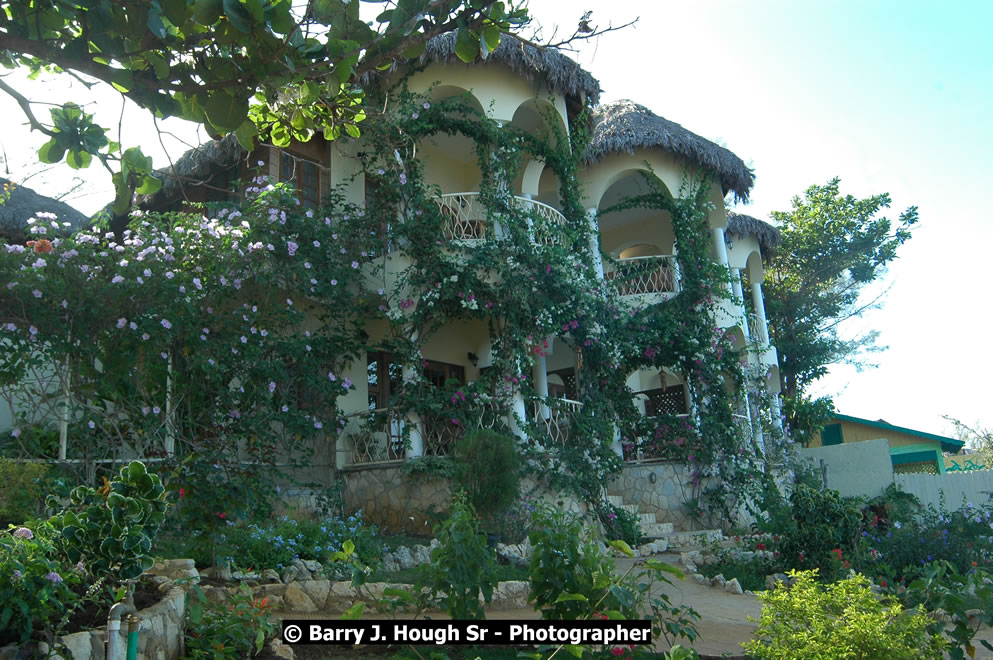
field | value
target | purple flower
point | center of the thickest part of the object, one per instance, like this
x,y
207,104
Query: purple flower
x,y
272,386
33,330
36,293
117,279
53,577
166,324
23,533
91,424
318,425
15,432
291,247
121,322
18,574
331,377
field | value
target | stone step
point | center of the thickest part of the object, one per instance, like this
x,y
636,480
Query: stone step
x,y
657,530
616,500
646,519
630,508
653,547
697,539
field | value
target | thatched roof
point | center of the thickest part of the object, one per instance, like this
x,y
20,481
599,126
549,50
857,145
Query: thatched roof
x,y
194,166
23,204
624,126
546,65
768,236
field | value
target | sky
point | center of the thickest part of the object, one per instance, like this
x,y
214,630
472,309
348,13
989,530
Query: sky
x,y
889,96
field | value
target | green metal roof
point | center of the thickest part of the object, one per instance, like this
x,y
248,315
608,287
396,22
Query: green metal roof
x,y
947,444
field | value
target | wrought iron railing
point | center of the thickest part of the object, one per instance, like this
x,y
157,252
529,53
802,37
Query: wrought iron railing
x,y
441,433
554,418
640,275
377,436
468,219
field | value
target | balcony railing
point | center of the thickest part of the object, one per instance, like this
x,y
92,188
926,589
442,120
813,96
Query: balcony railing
x,y
554,418
467,219
642,275
443,432
378,436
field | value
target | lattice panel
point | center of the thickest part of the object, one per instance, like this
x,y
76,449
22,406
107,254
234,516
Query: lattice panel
x,y
557,427
381,440
465,217
641,275
668,401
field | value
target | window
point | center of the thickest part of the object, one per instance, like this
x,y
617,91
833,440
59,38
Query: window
x,y
385,376
305,176
439,373
665,401
831,435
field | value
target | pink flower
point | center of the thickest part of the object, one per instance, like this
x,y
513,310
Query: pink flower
x,y
23,533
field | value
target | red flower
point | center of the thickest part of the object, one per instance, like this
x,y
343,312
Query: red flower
x,y
182,493
617,650
882,583
221,514
760,546
837,553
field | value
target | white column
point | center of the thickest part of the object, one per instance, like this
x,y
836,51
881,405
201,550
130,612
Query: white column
x,y
739,295
721,250
540,373
777,412
759,305
519,415
591,214
413,420
616,444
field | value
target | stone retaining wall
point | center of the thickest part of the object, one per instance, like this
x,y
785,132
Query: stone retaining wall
x,y
666,497
160,636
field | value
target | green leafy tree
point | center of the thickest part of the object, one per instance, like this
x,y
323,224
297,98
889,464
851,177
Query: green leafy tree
x,y
270,68
977,437
833,247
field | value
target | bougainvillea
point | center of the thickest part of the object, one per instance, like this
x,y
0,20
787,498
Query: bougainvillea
x,y
228,333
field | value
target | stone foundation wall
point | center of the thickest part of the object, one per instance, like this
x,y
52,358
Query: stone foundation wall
x,y
393,500
666,496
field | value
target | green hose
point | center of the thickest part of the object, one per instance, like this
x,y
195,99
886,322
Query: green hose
x,y
134,623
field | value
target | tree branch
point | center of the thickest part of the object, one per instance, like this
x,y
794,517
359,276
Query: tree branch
x,y
26,108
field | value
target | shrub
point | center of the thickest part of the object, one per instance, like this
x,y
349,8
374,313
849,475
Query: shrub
x,y
816,525
966,598
486,465
462,568
566,560
840,620
230,630
111,529
35,585
276,544
22,490
621,524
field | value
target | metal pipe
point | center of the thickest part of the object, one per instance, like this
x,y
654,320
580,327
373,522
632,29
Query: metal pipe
x,y
134,624
117,610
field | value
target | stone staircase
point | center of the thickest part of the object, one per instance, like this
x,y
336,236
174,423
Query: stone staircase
x,y
661,536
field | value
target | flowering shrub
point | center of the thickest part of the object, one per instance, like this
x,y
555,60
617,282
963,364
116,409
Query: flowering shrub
x,y
275,545
35,583
231,630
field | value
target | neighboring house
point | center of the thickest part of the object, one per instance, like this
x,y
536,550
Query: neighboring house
x,y
540,92
910,450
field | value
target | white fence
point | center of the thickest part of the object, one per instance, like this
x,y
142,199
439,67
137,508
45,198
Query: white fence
x,y
958,487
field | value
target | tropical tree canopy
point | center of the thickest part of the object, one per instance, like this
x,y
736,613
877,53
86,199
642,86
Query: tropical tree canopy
x,y
833,246
276,69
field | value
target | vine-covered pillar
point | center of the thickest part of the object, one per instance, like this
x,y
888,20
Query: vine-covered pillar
x,y
759,304
740,295
540,374
776,412
591,218
721,250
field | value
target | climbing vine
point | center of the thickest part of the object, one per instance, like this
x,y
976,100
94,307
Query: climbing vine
x,y
245,321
